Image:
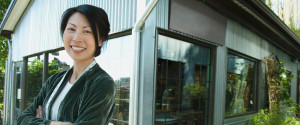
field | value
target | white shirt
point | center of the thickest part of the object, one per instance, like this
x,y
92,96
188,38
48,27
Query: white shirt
x,y
58,100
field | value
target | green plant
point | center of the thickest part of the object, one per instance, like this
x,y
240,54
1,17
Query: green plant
x,y
295,30
279,83
54,67
34,78
195,90
282,110
285,117
1,93
1,97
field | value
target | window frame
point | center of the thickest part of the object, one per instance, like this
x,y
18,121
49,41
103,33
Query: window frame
x,y
197,41
256,82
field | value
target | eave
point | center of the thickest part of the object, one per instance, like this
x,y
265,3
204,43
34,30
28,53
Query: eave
x,y
256,16
12,17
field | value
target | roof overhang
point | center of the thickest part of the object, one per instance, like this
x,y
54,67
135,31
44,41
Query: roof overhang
x,y
12,17
255,15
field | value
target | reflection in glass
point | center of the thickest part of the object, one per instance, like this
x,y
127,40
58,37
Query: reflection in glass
x,y
240,87
59,61
34,78
18,83
115,59
182,84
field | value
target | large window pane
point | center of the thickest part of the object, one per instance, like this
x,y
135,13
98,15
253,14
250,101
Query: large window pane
x,y
115,59
59,61
240,87
34,78
18,86
183,82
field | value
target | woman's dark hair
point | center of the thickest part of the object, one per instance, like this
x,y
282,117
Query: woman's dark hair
x,y
98,20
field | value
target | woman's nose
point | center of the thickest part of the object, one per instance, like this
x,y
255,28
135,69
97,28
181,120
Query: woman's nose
x,y
77,36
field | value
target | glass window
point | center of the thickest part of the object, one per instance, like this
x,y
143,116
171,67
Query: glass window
x,y
240,87
17,82
34,78
115,59
183,82
18,85
59,61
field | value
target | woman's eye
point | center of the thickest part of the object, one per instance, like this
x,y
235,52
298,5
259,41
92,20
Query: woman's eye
x,y
87,31
70,29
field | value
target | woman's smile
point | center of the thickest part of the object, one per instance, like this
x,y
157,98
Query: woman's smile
x,y
77,49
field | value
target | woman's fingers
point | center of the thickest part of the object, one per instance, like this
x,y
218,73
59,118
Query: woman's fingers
x,y
39,112
60,123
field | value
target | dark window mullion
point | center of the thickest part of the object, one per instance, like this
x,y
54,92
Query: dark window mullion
x,y
45,68
23,84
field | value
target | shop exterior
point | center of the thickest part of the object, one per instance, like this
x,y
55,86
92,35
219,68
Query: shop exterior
x,y
192,63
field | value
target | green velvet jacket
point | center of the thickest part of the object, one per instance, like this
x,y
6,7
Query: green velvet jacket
x,y
90,101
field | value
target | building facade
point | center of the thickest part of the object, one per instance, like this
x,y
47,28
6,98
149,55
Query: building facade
x,y
174,62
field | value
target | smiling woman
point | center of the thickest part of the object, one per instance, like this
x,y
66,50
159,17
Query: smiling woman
x,y
85,94
79,41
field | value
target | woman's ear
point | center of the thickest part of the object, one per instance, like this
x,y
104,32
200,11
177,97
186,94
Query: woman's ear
x,y
100,43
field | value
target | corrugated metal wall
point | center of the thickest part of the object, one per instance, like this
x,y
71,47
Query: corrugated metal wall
x,y
38,29
245,41
162,14
121,13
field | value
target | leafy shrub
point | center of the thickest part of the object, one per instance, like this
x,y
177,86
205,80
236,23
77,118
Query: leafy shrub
x,y
283,110
280,116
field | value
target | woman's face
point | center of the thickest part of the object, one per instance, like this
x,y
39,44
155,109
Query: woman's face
x,y
79,41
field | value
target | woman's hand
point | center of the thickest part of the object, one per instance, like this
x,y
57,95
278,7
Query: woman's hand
x,y
60,123
39,112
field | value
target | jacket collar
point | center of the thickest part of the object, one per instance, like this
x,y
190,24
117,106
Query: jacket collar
x,y
87,72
